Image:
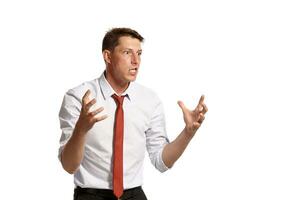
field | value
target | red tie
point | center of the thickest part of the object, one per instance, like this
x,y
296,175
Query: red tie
x,y
118,147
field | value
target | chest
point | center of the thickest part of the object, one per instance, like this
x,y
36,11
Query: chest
x,y
136,122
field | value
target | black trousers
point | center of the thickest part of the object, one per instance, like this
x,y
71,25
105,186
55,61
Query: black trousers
x,y
105,194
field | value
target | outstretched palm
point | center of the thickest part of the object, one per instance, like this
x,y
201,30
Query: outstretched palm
x,y
193,118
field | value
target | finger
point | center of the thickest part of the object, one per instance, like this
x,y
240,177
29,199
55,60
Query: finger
x,y
199,108
95,112
182,106
85,96
201,99
89,104
201,117
196,125
98,119
205,109
200,102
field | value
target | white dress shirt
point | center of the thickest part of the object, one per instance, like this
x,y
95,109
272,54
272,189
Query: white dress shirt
x,y
144,129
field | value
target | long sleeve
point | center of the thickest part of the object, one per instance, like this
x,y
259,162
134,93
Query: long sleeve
x,y
156,137
68,116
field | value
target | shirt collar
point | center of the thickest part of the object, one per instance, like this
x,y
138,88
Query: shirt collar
x,y
107,91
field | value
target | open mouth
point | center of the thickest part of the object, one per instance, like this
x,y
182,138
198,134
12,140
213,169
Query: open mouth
x,y
133,70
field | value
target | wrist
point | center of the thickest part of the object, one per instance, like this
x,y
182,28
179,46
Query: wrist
x,y
189,132
79,131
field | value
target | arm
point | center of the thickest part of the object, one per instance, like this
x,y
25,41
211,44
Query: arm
x,y
193,120
73,151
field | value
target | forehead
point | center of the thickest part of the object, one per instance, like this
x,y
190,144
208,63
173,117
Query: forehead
x,y
128,42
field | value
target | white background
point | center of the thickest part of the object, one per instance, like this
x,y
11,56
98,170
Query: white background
x,y
243,55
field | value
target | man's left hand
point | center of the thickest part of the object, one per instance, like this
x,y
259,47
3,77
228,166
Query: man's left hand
x,y
193,118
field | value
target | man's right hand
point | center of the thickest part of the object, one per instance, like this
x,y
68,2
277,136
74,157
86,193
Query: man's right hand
x,y
88,118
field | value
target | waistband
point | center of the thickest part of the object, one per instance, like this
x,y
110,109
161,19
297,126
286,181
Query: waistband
x,y
107,192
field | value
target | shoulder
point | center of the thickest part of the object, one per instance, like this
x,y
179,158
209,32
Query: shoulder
x,y
146,95
143,91
78,91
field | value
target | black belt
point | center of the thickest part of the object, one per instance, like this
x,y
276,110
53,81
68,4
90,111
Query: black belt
x,y
108,192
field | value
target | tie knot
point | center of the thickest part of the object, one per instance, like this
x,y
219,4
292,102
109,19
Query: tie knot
x,y
118,99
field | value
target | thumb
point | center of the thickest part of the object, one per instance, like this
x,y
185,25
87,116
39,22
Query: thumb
x,y
182,106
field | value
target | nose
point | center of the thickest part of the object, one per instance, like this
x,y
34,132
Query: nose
x,y
135,59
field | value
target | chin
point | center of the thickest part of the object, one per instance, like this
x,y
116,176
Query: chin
x,y
130,79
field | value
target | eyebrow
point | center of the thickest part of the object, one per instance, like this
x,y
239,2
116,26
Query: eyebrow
x,y
132,49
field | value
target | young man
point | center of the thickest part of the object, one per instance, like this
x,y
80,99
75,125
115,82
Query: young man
x,y
108,124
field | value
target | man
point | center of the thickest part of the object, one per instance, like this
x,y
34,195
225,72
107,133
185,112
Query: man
x,y
108,124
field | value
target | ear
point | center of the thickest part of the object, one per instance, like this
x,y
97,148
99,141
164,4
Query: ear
x,y
107,56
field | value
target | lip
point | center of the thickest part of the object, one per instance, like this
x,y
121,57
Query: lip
x,y
133,71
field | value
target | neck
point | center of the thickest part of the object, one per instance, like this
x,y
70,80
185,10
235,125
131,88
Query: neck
x,y
118,86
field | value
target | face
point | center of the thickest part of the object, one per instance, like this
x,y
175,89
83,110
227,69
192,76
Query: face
x,y
124,61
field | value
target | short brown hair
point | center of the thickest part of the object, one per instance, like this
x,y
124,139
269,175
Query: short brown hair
x,y
111,38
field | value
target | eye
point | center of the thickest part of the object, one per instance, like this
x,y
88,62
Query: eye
x,y
140,53
126,52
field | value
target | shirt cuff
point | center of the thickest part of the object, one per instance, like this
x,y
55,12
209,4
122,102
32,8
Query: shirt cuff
x,y
161,166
